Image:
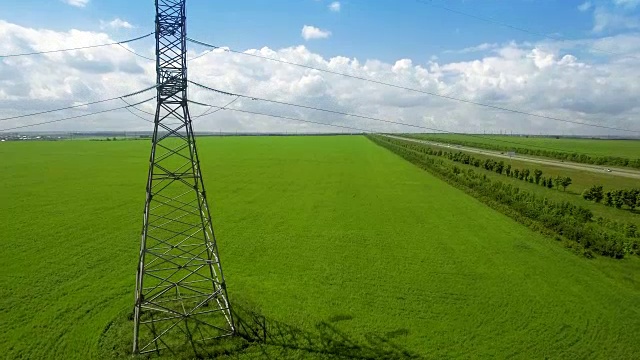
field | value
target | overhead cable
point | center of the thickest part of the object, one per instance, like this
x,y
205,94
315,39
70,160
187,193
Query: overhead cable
x,y
79,105
367,118
76,116
128,108
514,27
136,54
206,112
282,117
448,97
78,48
334,111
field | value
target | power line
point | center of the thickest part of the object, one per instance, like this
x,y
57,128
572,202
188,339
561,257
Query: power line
x,y
80,105
205,113
133,106
514,27
313,108
281,117
368,118
495,107
128,108
142,110
203,44
201,55
77,116
78,48
135,53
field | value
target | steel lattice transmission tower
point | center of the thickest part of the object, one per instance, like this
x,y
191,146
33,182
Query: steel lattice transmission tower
x,y
180,290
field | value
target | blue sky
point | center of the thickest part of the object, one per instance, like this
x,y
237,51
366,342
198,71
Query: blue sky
x,y
380,29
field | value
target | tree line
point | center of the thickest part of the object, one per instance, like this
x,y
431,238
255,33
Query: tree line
x,y
561,155
565,220
534,177
615,198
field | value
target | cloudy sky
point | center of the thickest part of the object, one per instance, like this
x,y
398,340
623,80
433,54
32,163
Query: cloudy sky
x,y
576,60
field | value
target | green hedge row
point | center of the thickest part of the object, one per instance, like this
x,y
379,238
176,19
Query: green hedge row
x,y
561,155
567,220
499,167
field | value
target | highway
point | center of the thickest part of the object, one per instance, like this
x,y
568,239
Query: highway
x,y
601,169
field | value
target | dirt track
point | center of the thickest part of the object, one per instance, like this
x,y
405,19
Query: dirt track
x,y
570,165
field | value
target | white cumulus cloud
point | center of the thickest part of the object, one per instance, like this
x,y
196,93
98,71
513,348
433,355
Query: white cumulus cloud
x,y
311,32
627,3
473,49
547,78
77,3
116,23
335,6
585,6
613,15
608,19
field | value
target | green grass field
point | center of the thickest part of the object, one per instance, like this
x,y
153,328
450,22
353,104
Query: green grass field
x,y
597,147
333,236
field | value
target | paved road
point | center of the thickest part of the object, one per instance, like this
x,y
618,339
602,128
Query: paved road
x,y
569,165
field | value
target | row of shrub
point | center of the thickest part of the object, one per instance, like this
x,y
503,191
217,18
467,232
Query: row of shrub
x,y
572,222
499,167
616,198
629,198
556,154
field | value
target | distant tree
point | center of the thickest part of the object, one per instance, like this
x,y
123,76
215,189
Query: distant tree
x,y
597,193
537,174
108,139
629,198
456,170
476,162
544,182
516,172
557,181
531,180
508,170
526,174
566,181
489,164
499,167
618,199
114,139
608,198
550,183
593,193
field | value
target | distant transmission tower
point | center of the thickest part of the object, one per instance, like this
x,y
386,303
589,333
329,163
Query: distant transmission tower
x,y
180,293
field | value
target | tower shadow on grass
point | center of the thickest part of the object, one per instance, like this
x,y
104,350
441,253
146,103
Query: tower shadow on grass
x,y
277,339
258,337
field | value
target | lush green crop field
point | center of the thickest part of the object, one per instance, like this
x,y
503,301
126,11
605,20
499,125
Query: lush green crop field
x,y
598,147
332,239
